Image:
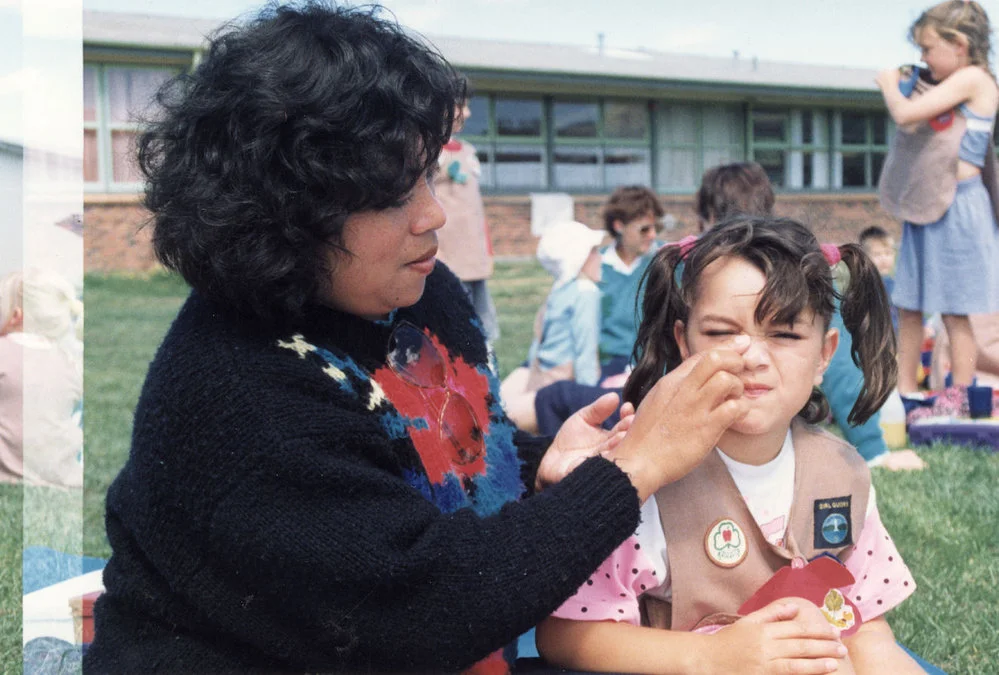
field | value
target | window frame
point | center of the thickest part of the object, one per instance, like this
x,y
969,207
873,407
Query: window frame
x,y
833,147
487,145
104,127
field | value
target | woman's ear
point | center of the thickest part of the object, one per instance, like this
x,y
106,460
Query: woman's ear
x,y
829,344
680,335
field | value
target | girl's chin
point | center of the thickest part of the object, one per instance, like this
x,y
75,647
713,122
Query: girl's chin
x,y
756,424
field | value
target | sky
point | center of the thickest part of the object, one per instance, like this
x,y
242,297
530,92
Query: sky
x,y
39,39
862,33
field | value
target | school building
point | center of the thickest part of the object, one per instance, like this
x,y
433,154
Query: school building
x,y
572,120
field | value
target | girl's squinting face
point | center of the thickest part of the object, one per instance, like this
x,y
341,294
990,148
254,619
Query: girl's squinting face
x,y
783,361
941,57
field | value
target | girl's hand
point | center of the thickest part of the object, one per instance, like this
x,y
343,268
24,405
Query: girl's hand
x,y
787,636
888,79
582,437
682,417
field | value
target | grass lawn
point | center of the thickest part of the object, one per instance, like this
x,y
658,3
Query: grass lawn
x,y
942,519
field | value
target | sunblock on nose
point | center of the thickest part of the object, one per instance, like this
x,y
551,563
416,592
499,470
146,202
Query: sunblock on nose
x,y
756,354
741,342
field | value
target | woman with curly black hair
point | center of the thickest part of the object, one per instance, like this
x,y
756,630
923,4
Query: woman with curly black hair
x,y
322,477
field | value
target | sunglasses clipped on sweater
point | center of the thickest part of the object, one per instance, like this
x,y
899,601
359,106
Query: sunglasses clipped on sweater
x,y
418,362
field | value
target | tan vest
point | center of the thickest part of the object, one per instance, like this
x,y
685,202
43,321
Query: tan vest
x,y
828,471
463,243
919,177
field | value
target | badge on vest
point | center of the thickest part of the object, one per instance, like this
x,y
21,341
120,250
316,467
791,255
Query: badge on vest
x,y
832,523
725,543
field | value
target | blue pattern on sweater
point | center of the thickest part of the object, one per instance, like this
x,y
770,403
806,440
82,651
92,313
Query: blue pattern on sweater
x,y
500,484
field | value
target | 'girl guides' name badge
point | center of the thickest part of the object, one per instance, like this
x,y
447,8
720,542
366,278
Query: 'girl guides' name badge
x,y
725,543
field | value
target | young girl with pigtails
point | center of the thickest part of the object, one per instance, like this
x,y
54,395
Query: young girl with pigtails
x,y
940,179
782,510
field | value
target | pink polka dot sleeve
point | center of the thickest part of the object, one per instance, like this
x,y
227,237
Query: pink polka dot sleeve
x,y
883,580
611,593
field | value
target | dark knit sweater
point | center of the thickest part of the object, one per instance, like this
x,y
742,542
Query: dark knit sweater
x,y
285,508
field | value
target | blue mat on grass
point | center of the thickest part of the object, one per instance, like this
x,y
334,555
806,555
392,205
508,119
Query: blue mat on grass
x,y
44,566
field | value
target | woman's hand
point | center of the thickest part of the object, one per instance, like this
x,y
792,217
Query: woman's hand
x,y
787,636
682,417
582,437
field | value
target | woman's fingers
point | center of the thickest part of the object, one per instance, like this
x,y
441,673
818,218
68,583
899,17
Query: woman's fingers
x,y
595,413
682,417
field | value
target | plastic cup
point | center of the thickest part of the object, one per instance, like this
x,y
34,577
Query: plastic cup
x,y
979,401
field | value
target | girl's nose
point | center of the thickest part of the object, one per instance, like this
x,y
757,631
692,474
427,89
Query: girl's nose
x,y
758,355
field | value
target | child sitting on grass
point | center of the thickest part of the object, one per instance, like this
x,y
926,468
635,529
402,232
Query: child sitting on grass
x,y
777,493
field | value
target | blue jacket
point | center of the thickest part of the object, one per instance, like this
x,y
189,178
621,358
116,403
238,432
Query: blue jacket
x,y
570,330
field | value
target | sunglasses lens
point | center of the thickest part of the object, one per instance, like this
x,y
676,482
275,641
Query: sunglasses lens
x,y
414,358
460,428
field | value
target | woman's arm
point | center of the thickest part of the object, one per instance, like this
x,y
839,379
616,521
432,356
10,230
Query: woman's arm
x,y
783,637
347,559
960,87
873,650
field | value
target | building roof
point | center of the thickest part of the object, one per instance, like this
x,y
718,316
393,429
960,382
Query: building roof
x,y
114,29
158,32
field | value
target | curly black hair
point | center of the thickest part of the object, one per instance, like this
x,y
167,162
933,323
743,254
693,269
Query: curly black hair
x,y
305,114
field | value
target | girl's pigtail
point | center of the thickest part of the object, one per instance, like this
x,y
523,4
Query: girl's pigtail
x,y
655,350
866,313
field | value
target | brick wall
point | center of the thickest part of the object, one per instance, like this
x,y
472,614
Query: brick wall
x,y
836,218
114,242
113,239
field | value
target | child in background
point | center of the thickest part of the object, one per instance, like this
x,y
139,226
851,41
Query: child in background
x,y
463,244
730,189
777,491
939,178
880,248
567,327
41,380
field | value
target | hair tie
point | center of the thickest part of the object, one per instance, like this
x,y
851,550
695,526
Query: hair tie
x,y
685,244
831,253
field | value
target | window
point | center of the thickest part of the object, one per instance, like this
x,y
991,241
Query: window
x,y
805,148
861,143
692,138
600,145
528,143
115,98
519,153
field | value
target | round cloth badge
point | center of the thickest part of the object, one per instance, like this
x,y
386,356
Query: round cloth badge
x,y
725,543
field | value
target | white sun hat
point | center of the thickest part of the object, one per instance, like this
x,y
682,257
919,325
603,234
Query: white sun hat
x,y
564,247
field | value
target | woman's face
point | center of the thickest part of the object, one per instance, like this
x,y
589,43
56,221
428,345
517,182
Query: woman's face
x,y
393,251
636,237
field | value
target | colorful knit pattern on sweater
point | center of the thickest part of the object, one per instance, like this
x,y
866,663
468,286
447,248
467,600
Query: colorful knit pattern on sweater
x,y
447,478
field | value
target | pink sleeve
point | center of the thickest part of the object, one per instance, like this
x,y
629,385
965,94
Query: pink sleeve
x,y
611,593
882,579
